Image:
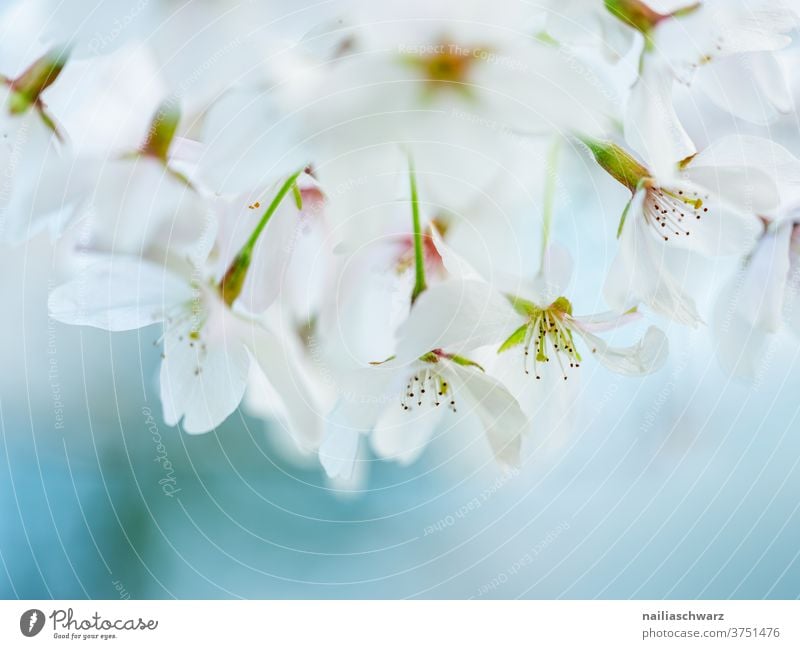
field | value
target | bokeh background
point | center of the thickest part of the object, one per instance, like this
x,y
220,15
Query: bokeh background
x,y
684,484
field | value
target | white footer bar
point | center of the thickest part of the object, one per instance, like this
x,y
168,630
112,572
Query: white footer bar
x,y
389,624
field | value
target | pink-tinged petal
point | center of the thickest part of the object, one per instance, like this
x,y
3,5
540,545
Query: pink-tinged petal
x,y
455,316
119,294
456,266
645,357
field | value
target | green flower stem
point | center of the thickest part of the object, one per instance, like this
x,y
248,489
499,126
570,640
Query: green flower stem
x,y
419,258
549,194
230,286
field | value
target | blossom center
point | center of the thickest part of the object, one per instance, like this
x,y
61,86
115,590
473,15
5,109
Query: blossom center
x,y
184,324
446,65
672,211
427,386
548,332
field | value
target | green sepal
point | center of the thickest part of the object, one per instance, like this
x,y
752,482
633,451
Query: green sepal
x,y
465,362
517,338
298,196
624,214
618,163
522,306
162,130
27,88
385,360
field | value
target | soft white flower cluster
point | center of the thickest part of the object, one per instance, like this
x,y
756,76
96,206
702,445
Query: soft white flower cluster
x,y
325,216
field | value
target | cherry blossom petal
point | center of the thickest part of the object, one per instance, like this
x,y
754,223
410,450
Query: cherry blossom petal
x,y
652,126
606,321
119,294
300,400
456,316
249,143
497,409
750,85
765,280
645,357
339,448
751,170
723,227
641,272
401,435
203,378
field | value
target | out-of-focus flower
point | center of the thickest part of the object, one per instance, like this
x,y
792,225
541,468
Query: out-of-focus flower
x,y
764,294
34,154
441,78
723,48
758,300
142,199
588,23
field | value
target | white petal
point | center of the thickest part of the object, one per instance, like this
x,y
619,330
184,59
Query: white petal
x,y
339,447
455,316
725,226
402,435
652,126
497,409
137,203
203,378
118,294
455,264
641,272
767,167
34,176
740,345
303,411
750,86
765,280
249,143
645,357
606,321
754,29
553,279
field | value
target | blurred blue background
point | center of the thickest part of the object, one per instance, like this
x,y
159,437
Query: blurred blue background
x,y
681,485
